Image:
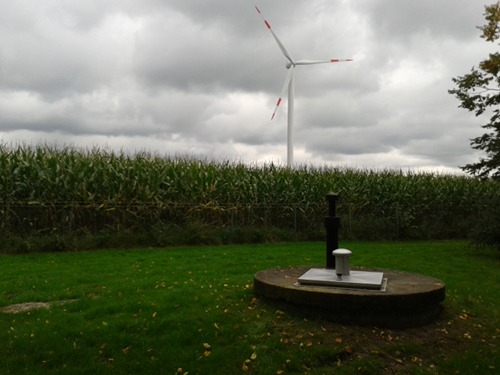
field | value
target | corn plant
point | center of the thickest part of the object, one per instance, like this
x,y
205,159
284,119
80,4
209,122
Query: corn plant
x,y
54,191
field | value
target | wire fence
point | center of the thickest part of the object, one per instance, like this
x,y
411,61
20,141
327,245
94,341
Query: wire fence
x,y
396,221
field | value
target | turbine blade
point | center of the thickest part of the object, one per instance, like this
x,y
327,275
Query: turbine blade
x,y
310,62
283,90
280,45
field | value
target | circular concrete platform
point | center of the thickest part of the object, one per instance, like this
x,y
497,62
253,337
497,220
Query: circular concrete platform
x,y
409,300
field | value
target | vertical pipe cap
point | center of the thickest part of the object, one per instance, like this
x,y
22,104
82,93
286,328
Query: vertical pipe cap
x,y
342,252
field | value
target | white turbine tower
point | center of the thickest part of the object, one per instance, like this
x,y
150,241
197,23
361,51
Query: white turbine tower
x,y
288,85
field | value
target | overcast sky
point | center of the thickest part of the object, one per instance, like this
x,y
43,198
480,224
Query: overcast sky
x,y
201,78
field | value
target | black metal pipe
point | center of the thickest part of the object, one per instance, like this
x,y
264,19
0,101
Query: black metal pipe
x,y
332,225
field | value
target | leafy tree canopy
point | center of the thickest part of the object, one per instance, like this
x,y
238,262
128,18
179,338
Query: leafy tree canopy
x,y
479,92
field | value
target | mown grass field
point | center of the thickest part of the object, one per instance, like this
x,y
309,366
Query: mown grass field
x,y
191,310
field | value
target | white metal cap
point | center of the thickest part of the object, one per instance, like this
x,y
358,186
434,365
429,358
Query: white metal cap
x,y
341,252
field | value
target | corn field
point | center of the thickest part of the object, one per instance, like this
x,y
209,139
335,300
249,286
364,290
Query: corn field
x,y
47,191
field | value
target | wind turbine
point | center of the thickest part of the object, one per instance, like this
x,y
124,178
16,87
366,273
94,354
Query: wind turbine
x,y
289,85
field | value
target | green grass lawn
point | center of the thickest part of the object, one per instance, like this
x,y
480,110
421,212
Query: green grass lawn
x,y
192,310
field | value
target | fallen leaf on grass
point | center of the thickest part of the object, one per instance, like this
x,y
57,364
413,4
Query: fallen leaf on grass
x,y
245,364
208,349
464,316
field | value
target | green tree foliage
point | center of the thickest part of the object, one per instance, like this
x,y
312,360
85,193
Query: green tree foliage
x,y
479,92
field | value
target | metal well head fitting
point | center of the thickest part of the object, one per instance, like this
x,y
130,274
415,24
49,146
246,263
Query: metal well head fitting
x,y
342,267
